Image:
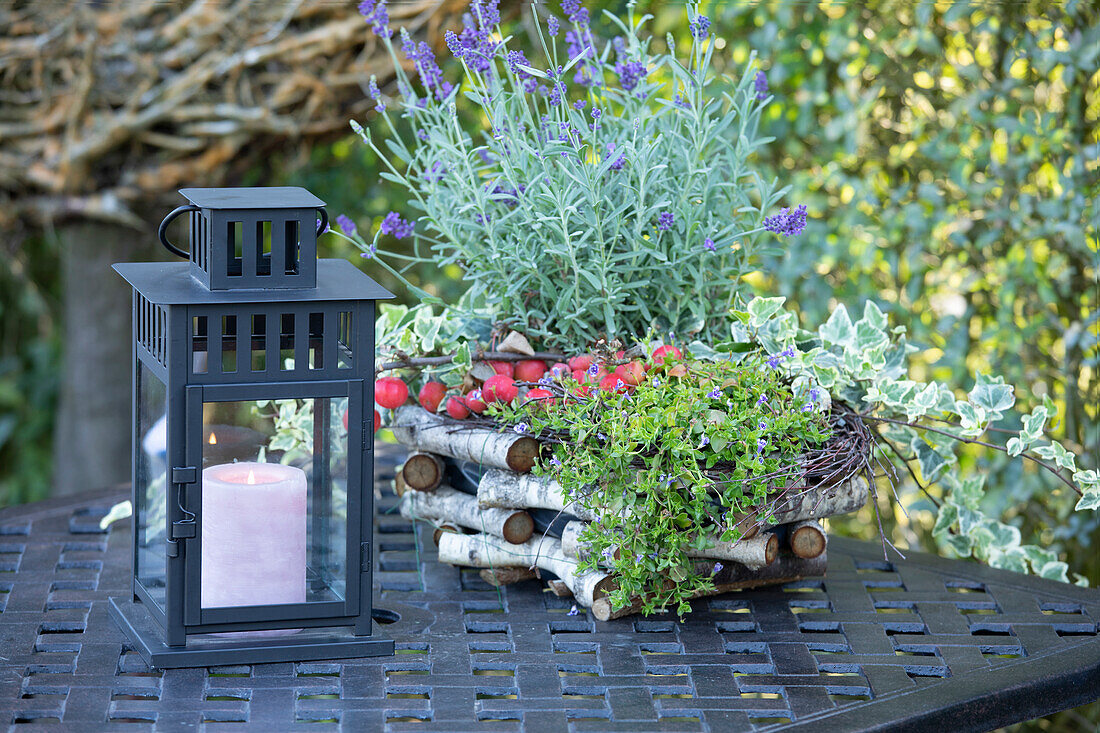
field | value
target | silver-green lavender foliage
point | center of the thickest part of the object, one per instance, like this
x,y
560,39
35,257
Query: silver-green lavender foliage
x,y
608,193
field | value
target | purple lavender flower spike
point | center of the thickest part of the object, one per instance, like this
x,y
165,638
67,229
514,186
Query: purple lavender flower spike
x,y
760,84
787,223
454,44
395,225
374,11
709,245
630,73
347,226
552,25
665,220
700,27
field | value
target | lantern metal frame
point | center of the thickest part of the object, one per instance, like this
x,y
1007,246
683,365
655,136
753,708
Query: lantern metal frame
x,y
298,327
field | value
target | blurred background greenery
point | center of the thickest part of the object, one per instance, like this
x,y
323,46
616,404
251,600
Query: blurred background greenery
x,y
949,155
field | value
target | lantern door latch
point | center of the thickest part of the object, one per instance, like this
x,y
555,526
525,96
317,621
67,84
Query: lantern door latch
x,y
364,557
185,528
368,434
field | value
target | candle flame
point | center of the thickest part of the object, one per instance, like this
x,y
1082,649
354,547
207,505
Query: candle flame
x,y
213,439
251,477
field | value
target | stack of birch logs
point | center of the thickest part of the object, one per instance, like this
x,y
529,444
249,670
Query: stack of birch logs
x,y
474,485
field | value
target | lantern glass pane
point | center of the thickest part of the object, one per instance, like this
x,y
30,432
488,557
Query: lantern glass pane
x,y
150,520
274,502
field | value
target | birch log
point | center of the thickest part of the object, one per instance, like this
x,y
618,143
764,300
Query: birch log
x,y
507,489
807,539
786,569
819,502
423,471
446,504
754,553
420,430
482,550
498,577
441,528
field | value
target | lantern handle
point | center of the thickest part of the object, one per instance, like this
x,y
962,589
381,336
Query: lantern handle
x,y
162,232
323,224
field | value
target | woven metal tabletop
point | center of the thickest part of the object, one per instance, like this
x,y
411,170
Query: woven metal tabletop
x,y
910,645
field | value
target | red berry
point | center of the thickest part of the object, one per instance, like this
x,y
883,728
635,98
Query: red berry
x,y
457,409
390,392
664,352
475,402
499,388
631,373
503,367
539,397
611,383
377,421
530,370
560,370
580,363
431,394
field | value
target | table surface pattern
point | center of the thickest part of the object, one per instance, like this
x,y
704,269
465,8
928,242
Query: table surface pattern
x,y
906,645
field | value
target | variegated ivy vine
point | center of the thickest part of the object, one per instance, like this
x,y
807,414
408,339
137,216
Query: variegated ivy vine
x,y
865,363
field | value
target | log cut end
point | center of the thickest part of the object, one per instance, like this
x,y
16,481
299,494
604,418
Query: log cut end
x,y
498,577
771,550
518,528
438,532
807,540
423,471
522,454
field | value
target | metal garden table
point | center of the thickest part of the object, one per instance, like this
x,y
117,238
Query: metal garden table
x,y
920,644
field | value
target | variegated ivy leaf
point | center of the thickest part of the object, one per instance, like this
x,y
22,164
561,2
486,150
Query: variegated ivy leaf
x,y
874,316
932,464
838,330
762,309
1013,559
1090,500
972,418
1055,452
1054,570
992,395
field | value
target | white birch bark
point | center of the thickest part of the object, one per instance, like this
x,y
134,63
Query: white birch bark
x,y
447,505
508,489
482,551
420,430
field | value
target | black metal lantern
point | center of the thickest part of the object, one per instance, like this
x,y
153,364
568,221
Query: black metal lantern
x,y
253,440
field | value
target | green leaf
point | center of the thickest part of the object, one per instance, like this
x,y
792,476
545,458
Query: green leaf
x,y
838,330
762,309
932,463
992,394
1090,500
873,316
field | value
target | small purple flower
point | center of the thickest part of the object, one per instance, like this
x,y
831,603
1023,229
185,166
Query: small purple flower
x,y
665,220
370,252
761,85
787,223
554,461
762,400
395,225
515,60
774,362
709,245
714,393
422,135
700,27
483,219
619,384
608,554
705,442
596,112
717,568
374,93
435,173
680,101
552,25
616,164
593,370
487,13
555,94
374,11
762,425
575,11
807,407
579,104
630,73
814,394
454,44
573,611
656,383
476,395
347,226
788,352
760,446
521,428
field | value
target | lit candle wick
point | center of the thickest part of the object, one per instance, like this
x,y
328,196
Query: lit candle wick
x,y
251,477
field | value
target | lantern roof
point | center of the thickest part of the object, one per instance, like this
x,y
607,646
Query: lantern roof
x,y
255,197
171,283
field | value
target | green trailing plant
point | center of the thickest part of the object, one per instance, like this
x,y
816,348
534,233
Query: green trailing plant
x,y
676,463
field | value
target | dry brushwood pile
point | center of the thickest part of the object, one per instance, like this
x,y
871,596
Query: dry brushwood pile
x,y
105,105
472,479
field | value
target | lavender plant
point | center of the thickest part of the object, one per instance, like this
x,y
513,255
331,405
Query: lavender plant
x,y
609,192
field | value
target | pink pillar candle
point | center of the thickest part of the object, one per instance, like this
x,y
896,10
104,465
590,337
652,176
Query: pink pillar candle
x,y
253,535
